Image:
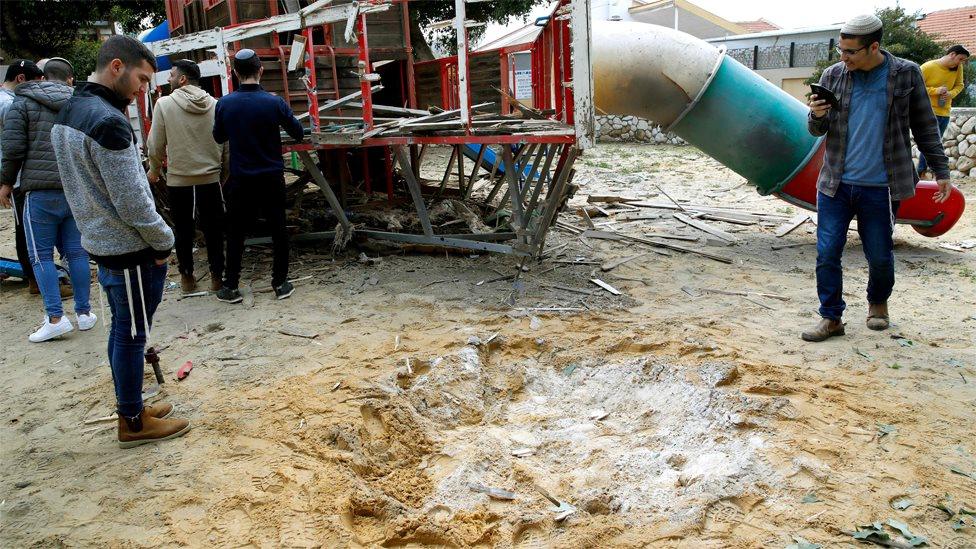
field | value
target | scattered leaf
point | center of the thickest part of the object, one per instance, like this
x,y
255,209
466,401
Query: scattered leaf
x,y
895,366
862,353
884,429
959,471
901,527
872,532
906,343
811,498
963,522
902,503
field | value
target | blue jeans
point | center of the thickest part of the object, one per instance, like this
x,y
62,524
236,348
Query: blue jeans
x,y
943,124
875,214
48,222
126,352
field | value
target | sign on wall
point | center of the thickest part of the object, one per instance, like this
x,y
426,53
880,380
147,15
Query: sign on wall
x,y
523,84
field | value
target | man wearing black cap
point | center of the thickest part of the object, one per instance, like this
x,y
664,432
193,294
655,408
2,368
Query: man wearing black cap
x,y
181,136
19,71
250,118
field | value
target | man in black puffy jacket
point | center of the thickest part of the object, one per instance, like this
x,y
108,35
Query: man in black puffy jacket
x,y
28,153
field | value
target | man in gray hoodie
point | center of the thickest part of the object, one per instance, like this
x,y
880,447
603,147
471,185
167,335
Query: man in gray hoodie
x,y
48,221
113,205
181,137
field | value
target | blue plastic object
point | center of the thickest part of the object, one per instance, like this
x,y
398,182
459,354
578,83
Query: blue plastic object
x,y
161,32
488,160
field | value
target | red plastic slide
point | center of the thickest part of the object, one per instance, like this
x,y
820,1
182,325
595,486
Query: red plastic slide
x,y
927,217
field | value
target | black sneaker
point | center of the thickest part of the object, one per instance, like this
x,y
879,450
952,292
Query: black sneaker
x,y
229,295
284,290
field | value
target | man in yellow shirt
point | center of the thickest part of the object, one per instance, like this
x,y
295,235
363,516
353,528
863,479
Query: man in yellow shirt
x,y
944,81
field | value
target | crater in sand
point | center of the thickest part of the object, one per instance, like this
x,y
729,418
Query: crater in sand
x,y
643,439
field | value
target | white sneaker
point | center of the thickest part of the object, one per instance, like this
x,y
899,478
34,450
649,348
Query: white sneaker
x,y
50,331
87,321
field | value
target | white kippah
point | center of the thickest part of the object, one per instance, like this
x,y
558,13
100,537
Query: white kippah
x,y
861,25
245,53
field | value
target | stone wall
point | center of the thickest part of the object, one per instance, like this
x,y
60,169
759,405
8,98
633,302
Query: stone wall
x,y
632,129
959,141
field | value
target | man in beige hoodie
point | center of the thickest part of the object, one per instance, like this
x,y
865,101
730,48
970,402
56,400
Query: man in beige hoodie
x,y
181,137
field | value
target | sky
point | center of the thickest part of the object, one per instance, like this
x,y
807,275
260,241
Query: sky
x,y
785,13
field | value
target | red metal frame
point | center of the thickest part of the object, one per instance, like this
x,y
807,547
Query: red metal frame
x,y
365,69
551,69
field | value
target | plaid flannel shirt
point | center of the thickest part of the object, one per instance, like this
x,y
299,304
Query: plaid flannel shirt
x,y
909,108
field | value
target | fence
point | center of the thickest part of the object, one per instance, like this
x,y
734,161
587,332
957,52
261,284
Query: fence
x,y
783,57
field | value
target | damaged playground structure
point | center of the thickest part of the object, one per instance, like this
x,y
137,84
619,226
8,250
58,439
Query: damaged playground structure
x,y
376,118
374,115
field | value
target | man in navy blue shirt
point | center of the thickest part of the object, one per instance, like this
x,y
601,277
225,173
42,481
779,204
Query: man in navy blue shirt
x,y
868,168
250,119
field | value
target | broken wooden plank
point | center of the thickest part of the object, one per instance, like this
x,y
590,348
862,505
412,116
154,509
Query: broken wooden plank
x,y
641,217
605,286
568,289
735,220
602,235
791,225
744,294
437,117
760,303
586,218
676,247
790,245
611,265
390,108
336,103
705,227
680,207
672,236
609,199
295,333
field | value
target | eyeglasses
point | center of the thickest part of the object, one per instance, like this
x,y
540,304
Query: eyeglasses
x,y
849,52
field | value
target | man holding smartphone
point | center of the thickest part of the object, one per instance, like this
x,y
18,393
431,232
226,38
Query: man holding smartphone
x,y
868,166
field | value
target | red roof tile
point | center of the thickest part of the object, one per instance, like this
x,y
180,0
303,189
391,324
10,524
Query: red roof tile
x,y
759,25
957,25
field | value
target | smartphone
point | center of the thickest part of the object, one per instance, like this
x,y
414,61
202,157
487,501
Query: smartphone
x,y
823,93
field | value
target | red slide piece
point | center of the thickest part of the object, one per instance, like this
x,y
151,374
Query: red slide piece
x,y
927,217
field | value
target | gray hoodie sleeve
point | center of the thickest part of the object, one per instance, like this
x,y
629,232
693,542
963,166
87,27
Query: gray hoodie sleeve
x,y
14,142
128,187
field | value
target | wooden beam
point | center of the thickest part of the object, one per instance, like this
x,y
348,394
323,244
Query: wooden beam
x,y
418,200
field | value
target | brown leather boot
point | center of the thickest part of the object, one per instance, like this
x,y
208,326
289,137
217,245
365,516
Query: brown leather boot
x,y
159,410
878,316
32,287
188,283
144,429
824,329
66,291
215,283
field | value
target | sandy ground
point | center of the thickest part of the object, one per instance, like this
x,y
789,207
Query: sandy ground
x,y
668,416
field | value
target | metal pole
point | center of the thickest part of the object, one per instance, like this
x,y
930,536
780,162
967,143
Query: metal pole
x,y
462,43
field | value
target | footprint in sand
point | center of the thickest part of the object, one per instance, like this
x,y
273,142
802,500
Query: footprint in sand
x,y
230,524
372,421
531,537
722,517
